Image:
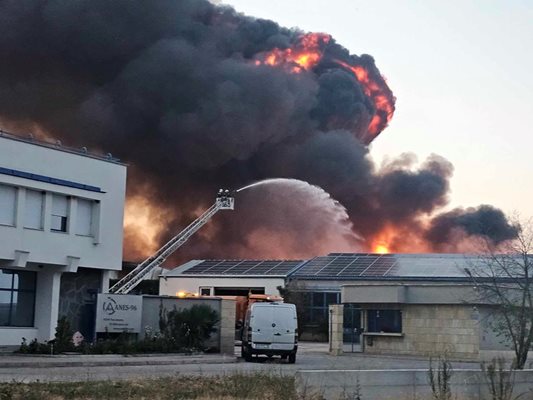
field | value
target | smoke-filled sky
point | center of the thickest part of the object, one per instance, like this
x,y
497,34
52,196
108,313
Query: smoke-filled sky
x,y
461,71
196,97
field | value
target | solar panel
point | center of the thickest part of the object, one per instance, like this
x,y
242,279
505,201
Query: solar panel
x,y
242,267
345,265
342,266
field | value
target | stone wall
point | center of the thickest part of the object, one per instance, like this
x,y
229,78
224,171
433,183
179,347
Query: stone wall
x,y
432,330
336,313
227,327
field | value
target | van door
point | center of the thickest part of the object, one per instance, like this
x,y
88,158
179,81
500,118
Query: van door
x,y
261,322
284,325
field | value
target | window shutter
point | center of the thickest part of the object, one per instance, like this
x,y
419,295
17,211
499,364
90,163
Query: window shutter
x,y
84,217
33,212
8,198
59,213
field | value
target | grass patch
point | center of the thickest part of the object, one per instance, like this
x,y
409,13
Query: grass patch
x,y
238,386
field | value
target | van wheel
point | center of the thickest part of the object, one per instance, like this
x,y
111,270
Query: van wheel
x,y
245,354
292,358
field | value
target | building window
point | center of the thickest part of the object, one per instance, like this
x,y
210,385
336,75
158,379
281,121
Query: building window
x,y
17,297
59,213
8,202
84,217
33,209
238,291
317,305
384,321
205,291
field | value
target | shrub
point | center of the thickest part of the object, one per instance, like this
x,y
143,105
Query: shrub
x,y
439,378
188,328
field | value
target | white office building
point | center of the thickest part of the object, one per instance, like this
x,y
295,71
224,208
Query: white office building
x,y
61,232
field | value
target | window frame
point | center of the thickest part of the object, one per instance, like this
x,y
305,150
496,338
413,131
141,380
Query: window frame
x,y
63,218
373,323
12,290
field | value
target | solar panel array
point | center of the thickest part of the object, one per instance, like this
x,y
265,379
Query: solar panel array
x,y
345,265
362,265
243,267
341,266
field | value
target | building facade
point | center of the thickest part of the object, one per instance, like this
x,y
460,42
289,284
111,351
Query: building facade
x,y
61,226
411,304
227,277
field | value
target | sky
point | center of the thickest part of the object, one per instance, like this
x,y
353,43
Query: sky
x,y
462,73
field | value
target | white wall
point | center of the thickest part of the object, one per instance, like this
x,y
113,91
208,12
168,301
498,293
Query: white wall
x,y
102,250
51,253
172,285
12,336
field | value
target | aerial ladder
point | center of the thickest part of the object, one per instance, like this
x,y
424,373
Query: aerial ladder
x,y
224,201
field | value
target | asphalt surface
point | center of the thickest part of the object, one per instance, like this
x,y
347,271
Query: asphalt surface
x,y
311,356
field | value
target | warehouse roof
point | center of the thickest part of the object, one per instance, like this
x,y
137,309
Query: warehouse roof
x,y
368,265
236,268
347,266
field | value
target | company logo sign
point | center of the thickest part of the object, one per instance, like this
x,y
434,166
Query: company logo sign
x,y
110,306
118,313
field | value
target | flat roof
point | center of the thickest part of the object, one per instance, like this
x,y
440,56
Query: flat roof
x,y
352,267
29,139
236,268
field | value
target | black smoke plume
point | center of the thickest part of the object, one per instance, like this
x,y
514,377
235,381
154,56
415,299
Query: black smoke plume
x,y
485,222
177,89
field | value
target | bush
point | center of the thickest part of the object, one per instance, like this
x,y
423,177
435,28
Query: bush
x,y
62,341
188,328
181,331
439,378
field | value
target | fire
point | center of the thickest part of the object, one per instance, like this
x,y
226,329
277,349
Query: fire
x,y
380,249
382,102
142,227
303,56
308,51
382,243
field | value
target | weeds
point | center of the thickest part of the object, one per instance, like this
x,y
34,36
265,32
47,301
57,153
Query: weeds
x,y
439,379
238,386
500,381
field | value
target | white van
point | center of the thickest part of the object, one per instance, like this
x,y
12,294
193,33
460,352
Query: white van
x,y
270,329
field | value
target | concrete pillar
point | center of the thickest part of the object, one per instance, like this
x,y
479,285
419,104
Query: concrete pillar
x,y
104,283
336,321
47,303
227,327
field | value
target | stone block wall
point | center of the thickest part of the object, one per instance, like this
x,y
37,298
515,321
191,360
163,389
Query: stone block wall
x,y
336,313
227,327
432,330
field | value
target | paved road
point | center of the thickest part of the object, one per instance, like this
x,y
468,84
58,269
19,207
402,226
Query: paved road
x,y
310,356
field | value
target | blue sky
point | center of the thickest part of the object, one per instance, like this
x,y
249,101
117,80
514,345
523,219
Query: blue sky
x,y
462,72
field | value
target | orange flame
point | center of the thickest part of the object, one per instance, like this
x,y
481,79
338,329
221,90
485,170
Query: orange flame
x,y
383,241
308,52
382,103
303,56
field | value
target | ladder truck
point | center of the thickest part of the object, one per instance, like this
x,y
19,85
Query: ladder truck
x,y
225,200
